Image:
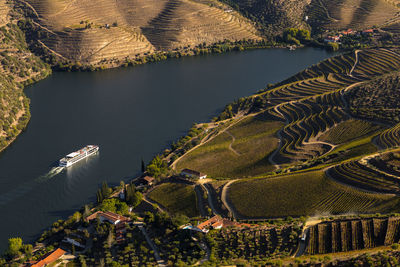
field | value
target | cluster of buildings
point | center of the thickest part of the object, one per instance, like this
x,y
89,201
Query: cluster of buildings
x,y
348,32
216,222
119,221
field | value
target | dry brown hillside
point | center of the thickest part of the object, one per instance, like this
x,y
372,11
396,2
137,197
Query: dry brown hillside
x,y
3,12
354,14
93,31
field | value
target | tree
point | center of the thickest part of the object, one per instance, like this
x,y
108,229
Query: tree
x,y
132,196
14,246
28,250
86,211
114,205
143,166
103,192
76,217
157,167
99,196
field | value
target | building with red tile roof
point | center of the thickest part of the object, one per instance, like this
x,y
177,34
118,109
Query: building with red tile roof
x,y
217,222
108,216
50,258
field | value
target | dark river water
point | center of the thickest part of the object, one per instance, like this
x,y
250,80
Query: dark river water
x,y
130,113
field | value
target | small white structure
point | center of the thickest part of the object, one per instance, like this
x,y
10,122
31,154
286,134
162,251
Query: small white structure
x,y
193,174
74,242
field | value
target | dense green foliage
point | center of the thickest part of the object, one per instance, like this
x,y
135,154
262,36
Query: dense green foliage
x,y
296,36
114,205
157,167
18,68
132,196
103,192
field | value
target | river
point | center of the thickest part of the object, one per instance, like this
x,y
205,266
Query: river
x,y
130,113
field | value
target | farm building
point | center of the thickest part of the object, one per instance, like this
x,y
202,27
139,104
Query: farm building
x,y
216,222
193,174
108,217
332,39
144,181
49,258
348,32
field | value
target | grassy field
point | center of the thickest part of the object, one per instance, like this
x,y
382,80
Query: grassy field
x,y
240,151
349,130
309,193
176,198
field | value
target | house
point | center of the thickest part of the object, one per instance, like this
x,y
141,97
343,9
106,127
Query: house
x,y
348,32
148,180
108,216
193,174
144,181
368,32
205,226
332,39
217,222
112,217
50,258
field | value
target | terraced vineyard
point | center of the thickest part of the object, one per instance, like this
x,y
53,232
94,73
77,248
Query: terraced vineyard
x,y
241,151
361,176
312,101
309,193
343,14
353,234
102,31
390,137
306,118
349,130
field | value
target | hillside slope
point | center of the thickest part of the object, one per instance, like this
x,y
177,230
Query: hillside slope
x,y
354,14
18,67
95,31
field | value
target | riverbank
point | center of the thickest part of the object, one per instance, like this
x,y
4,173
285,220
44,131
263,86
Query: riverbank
x,y
131,115
19,68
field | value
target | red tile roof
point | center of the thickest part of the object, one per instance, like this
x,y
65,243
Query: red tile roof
x,y
52,257
148,179
113,216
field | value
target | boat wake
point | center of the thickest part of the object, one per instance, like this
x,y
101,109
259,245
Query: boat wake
x,y
28,186
53,172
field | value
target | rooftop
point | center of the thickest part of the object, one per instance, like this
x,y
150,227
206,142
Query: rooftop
x,y
50,258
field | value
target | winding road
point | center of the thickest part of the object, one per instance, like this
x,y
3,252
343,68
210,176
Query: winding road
x,y
225,201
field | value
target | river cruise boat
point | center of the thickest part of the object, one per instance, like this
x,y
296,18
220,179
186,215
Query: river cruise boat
x,y
76,156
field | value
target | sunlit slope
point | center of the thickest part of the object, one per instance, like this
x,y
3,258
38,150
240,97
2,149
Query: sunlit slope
x,y
91,31
3,12
355,14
